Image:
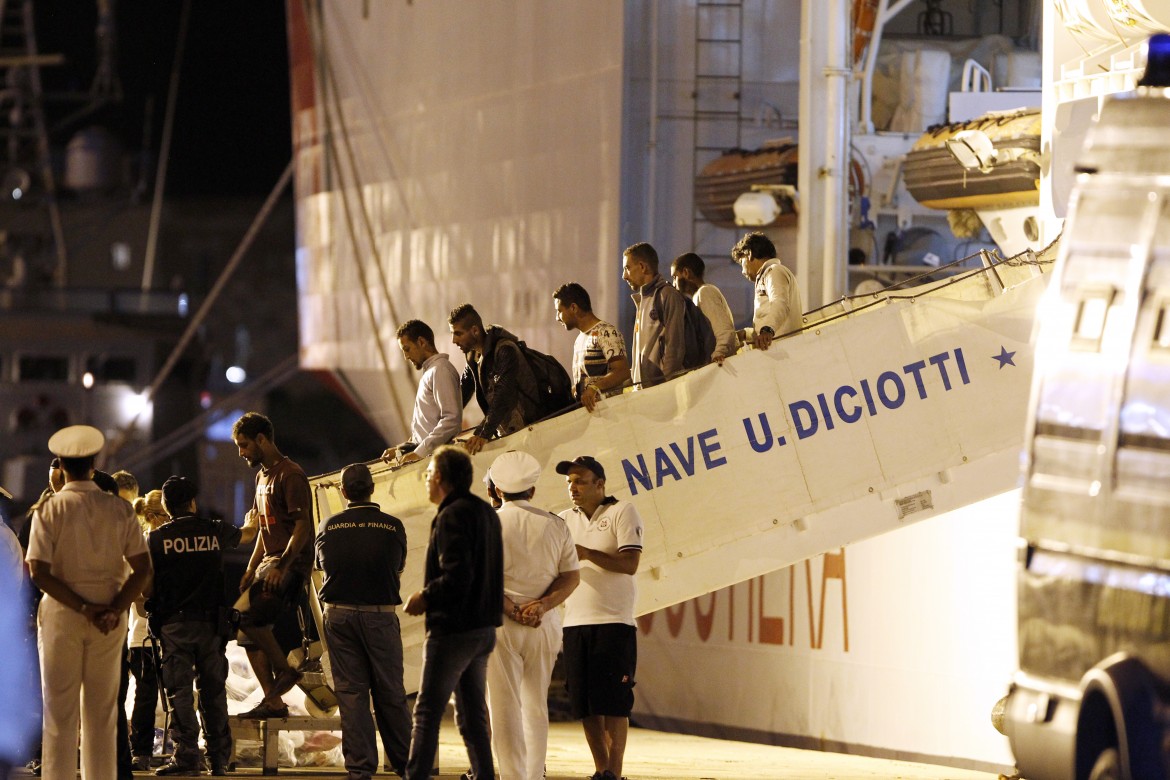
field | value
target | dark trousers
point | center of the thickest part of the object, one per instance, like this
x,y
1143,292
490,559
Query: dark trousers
x,y
125,771
453,662
365,654
193,651
145,700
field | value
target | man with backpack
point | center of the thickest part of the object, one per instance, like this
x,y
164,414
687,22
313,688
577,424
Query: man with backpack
x,y
497,373
660,327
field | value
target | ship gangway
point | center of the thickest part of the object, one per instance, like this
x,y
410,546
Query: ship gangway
x,y
882,411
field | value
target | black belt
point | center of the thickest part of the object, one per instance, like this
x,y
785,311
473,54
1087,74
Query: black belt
x,y
363,607
192,616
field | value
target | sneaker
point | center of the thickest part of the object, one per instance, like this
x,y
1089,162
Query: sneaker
x,y
286,679
140,763
218,770
263,712
179,769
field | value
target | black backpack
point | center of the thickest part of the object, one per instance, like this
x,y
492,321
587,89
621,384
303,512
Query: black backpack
x,y
553,387
699,335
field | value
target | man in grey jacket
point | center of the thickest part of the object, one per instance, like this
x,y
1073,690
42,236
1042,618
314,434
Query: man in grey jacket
x,y
659,320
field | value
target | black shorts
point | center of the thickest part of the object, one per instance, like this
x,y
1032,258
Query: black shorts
x,y
259,607
599,669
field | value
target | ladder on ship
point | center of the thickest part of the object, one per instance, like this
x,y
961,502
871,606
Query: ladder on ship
x,y
718,102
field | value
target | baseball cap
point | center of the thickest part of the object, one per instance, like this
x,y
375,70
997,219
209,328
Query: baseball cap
x,y
76,441
178,492
356,479
514,471
584,461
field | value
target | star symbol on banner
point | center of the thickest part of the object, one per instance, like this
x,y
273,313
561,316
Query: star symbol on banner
x,y
1004,357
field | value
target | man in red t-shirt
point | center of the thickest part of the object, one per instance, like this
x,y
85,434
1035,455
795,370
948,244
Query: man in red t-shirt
x,y
281,561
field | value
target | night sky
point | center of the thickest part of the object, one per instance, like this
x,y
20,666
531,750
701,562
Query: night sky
x,y
232,128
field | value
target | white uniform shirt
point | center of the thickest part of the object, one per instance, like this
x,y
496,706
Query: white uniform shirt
x,y
777,299
604,596
714,306
438,405
537,547
85,535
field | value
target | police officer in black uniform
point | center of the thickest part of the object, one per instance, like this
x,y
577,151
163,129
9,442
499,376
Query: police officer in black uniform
x,y
189,614
362,552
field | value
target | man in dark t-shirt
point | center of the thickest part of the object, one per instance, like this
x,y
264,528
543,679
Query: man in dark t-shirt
x,y
281,560
362,552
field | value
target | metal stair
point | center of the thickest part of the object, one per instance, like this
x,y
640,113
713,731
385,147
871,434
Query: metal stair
x,y
718,98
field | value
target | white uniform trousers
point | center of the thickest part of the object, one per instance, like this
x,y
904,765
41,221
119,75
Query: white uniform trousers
x,y
80,668
518,676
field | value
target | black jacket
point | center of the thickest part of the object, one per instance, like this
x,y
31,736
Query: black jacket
x,y
465,566
503,384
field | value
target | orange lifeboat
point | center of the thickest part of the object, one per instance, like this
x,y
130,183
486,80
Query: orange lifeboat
x,y
734,172
936,179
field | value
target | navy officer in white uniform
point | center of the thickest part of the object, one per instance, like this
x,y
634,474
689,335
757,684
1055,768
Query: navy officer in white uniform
x,y
79,545
540,571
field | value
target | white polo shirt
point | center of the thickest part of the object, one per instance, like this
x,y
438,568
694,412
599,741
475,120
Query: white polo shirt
x,y
537,548
604,596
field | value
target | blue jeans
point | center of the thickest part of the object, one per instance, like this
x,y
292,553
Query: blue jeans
x,y
453,663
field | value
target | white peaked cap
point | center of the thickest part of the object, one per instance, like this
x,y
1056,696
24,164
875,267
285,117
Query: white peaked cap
x,y
514,471
76,441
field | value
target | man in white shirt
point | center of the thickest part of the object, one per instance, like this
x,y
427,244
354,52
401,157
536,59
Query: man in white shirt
x,y
600,364
778,308
438,406
687,274
80,543
540,571
601,647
